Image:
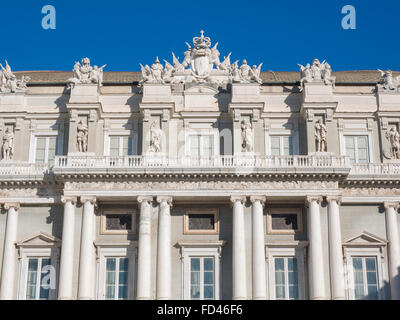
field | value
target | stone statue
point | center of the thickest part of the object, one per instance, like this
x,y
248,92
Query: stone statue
x,y
247,136
9,82
388,82
84,73
82,136
394,139
8,144
156,135
320,135
316,72
200,65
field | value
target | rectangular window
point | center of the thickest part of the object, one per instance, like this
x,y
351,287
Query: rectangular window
x,y
281,145
116,280
202,278
357,148
45,149
37,287
365,277
284,221
118,222
121,145
204,221
201,146
286,278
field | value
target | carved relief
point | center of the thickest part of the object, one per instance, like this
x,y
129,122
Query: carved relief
x,y
8,144
317,72
320,136
9,82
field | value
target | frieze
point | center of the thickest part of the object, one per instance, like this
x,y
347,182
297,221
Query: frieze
x,y
373,191
200,185
30,192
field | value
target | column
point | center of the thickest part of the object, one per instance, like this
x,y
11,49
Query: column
x,y
315,256
239,287
335,249
144,250
86,258
9,266
67,250
164,249
258,249
392,231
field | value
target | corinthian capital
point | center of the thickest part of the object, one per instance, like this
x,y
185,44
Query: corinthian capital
x,y
310,199
338,199
9,205
241,199
262,199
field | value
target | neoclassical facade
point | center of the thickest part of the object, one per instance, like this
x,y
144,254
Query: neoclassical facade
x,y
199,179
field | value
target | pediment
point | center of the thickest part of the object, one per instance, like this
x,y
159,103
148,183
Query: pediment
x,y
40,240
201,89
365,238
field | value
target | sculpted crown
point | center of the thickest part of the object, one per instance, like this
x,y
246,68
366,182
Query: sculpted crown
x,y
201,42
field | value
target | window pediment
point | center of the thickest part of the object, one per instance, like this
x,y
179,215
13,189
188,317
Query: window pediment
x,y
365,239
40,240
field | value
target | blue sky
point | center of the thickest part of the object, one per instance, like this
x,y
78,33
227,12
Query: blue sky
x,y
122,33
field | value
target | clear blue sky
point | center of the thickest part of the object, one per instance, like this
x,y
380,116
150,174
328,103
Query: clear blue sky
x,y
122,33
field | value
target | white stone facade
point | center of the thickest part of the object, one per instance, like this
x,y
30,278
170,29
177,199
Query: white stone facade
x,y
200,180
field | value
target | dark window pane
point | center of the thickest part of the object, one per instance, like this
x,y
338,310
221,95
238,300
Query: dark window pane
x,y
118,221
201,221
284,221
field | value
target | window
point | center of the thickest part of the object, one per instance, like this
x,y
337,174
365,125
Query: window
x,y
37,287
201,221
365,276
286,271
118,222
45,149
286,278
281,145
201,261
357,148
116,285
116,265
284,221
202,279
201,146
121,145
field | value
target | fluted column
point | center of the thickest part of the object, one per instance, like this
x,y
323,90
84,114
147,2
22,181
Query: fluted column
x,y
258,249
335,249
144,253
392,231
239,287
315,256
9,267
86,258
164,249
67,249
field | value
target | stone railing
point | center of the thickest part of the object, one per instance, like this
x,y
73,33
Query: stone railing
x,y
314,161
375,169
22,169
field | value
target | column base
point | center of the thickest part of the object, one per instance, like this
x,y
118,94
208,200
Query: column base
x,y
85,298
65,298
260,298
143,298
239,298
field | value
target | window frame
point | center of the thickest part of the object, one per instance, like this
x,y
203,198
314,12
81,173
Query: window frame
x,y
195,249
295,249
362,252
281,136
32,253
297,211
202,132
213,211
282,131
342,143
130,133
103,222
126,249
46,134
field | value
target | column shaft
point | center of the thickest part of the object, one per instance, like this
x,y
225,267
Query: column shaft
x,y
87,259
164,249
335,250
239,286
9,266
144,250
315,257
67,250
392,231
258,249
